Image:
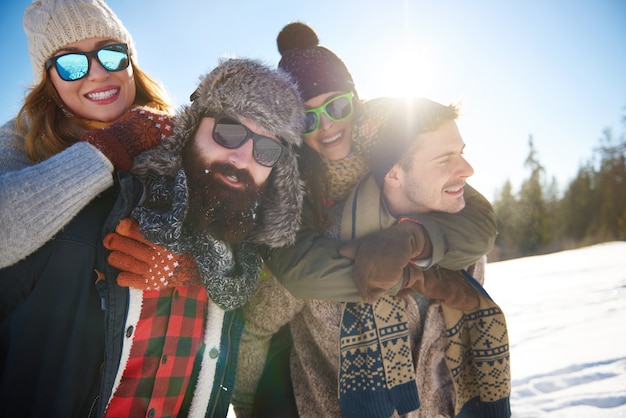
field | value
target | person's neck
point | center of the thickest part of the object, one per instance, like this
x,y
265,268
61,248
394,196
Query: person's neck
x,y
397,204
95,124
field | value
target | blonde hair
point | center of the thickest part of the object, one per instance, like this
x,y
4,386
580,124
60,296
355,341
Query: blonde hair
x,y
49,128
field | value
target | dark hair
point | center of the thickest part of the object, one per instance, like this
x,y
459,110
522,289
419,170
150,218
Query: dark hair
x,y
396,138
316,70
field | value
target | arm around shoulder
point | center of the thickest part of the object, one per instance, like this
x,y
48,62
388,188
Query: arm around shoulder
x,y
312,268
38,199
461,239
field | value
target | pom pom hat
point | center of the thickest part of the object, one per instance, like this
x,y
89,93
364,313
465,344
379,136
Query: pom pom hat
x,y
315,69
51,25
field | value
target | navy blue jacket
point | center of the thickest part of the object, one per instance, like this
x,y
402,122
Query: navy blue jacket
x,y
61,329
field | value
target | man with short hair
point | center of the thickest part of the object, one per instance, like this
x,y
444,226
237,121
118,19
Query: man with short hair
x,y
461,361
391,349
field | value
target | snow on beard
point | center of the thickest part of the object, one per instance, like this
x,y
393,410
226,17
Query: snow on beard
x,y
227,213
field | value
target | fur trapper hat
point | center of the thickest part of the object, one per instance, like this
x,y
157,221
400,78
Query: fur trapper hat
x,y
245,88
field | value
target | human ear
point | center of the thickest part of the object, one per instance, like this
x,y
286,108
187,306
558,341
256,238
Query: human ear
x,y
394,177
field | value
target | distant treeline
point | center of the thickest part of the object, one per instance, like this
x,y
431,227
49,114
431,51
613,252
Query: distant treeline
x,y
539,219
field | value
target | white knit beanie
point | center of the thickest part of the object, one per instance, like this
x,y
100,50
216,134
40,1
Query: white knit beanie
x,y
52,24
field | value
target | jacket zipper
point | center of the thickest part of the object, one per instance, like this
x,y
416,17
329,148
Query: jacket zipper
x,y
222,376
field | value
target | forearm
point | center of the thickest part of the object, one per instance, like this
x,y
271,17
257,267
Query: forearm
x,y
36,201
270,307
313,269
461,239
252,359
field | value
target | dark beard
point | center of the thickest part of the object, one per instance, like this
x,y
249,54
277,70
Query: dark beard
x,y
228,214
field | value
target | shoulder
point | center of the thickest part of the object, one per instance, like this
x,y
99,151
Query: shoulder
x,y
9,138
12,148
372,116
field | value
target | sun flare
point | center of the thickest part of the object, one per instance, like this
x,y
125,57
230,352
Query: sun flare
x,y
409,72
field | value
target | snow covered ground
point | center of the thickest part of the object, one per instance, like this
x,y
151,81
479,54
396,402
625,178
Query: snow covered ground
x,y
566,315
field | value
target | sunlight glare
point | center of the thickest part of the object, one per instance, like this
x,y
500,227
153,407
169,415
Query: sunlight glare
x,y
409,72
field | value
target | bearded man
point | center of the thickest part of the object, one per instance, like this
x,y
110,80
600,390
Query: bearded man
x,y
225,181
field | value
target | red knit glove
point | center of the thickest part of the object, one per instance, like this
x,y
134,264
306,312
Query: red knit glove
x,y
145,265
139,129
380,258
447,286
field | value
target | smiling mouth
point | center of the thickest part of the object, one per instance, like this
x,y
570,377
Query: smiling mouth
x,y
332,139
456,190
232,181
103,95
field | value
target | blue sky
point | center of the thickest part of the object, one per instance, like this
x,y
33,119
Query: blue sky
x,y
553,69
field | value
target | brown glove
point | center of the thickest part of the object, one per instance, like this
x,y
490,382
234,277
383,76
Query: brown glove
x,y
144,265
139,129
447,286
380,258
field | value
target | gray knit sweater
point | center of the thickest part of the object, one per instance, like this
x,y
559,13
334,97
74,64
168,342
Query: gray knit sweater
x,y
37,200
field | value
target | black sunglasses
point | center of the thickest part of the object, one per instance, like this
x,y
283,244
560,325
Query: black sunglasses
x,y
75,65
231,134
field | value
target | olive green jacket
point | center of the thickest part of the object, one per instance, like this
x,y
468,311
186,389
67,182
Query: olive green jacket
x,y
313,268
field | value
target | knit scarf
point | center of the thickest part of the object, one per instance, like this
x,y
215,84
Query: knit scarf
x,y
376,374
229,272
342,174
477,355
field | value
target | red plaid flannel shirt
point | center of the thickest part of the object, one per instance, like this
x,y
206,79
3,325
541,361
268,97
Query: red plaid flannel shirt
x,y
166,341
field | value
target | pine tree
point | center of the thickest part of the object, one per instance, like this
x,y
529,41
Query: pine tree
x,y
611,181
577,206
532,207
507,216
591,210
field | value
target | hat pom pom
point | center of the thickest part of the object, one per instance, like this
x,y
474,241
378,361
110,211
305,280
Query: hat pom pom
x,y
296,35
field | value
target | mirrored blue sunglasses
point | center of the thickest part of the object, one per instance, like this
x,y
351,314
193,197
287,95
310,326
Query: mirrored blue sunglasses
x,y
75,65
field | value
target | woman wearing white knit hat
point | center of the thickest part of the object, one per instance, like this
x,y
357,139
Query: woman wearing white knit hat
x,y
56,178
85,77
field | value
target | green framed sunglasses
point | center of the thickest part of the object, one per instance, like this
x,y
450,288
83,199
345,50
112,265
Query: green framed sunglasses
x,y
336,109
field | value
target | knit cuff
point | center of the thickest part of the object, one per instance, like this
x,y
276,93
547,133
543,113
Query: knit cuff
x,y
477,408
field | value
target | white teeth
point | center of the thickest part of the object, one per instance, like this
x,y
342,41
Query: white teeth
x,y
455,190
101,95
232,179
331,139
